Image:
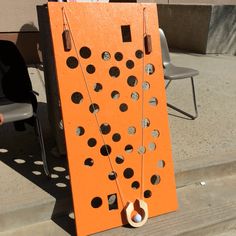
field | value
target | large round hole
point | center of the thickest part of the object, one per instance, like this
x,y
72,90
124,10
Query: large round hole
x,y
139,54
123,107
116,137
115,94
77,97
96,202
97,87
150,69
90,69
130,64
128,148
72,62
147,194
89,162
119,159
132,81
112,175
80,131
94,108
155,179
118,56
106,56
92,142
85,52
128,173
114,72
105,150
135,185
105,128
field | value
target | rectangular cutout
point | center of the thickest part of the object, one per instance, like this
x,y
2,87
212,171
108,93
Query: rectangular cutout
x,y
126,33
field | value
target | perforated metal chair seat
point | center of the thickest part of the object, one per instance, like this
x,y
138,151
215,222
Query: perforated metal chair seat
x,y
16,111
175,72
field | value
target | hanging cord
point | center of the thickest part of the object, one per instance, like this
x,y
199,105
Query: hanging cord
x,y
90,99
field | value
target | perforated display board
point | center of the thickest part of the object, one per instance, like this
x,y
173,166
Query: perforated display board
x,y
114,111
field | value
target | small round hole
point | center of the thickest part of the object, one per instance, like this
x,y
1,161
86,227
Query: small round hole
x,y
128,173
150,69
135,96
112,175
139,54
116,137
97,87
141,150
94,108
123,107
118,56
119,159
132,81
145,85
147,194
130,64
59,169
77,97
96,202
90,69
161,164
92,142
72,62
152,146
85,52
105,150
114,72
38,163
128,148
35,172
155,133
61,185
106,56
155,179
80,131
105,128
115,94
153,101
145,123
19,161
131,130
135,185
89,162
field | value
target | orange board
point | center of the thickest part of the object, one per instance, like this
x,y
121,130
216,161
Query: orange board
x,y
114,111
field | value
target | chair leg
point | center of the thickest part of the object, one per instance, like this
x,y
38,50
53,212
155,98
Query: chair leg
x,y
42,146
193,117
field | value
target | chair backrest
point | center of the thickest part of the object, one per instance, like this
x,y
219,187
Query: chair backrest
x,y
164,48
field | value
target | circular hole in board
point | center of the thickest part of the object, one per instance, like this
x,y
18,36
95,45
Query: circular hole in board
x,y
59,169
35,172
112,175
161,164
147,194
153,101
61,185
135,185
116,137
90,69
155,179
105,128
77,97
72,62
119,159
96,202
85,52
89,162
118,56
105,150
115,94
134,96
149,69
139,54
106,56
94,108
114,72
155,133
132,81
141,150
131,130
145,85
97,87
123,107
79,131
152,146
145,123
19,161
130,64
92,142
128,173
38,163
128,148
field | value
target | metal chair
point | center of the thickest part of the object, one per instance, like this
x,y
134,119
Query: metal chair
x,y
17,101
172,72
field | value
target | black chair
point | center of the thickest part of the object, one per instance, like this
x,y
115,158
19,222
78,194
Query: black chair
x,y
172,72
18,103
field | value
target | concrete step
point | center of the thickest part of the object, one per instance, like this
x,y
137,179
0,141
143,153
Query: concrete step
x,y
46,228
203,210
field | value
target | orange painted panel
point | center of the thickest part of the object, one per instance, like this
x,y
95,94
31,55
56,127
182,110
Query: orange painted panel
x,y
114,111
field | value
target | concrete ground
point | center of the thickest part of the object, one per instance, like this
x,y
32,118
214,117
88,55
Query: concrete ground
x,y
203,148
